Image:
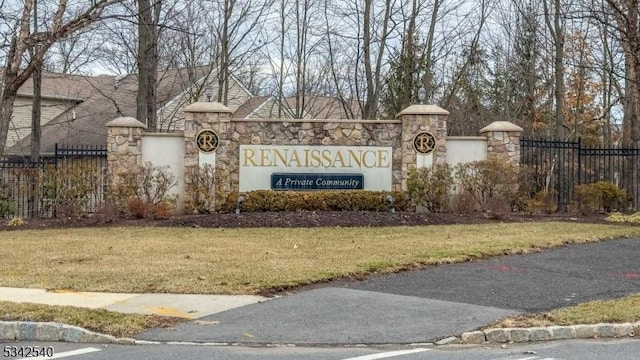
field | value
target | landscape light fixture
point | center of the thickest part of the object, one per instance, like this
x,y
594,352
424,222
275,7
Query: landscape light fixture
x,y
390,203
208,89
239,204
422,95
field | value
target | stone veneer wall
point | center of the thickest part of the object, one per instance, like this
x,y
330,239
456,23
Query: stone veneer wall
x,y
199,116
124,146
124,143
416,119
503,141
236,132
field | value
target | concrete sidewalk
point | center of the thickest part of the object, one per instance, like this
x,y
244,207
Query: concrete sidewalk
x,y
183,306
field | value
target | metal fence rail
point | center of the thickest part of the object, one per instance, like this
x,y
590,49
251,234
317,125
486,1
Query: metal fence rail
x,y
29,189
562,165
19,188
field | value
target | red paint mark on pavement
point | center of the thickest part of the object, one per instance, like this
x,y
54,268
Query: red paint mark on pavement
x,y
502,267
626,275
631,275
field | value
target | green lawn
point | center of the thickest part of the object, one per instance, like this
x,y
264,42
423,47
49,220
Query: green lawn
x,y
248,261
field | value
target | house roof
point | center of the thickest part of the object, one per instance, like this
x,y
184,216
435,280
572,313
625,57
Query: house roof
x,y
250,106
99,99
96,100
318,107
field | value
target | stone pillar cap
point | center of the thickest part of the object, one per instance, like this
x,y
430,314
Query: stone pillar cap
x,y
423,110
207,107
504,126
126,122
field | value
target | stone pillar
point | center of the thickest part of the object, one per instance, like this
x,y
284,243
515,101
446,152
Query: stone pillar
x,y
213,116
124,147
419,119
503,141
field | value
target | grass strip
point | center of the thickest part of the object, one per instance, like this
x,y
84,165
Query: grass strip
x,y
98,320
248,261
621,310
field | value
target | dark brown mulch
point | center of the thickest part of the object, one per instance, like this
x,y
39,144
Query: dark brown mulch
x,y
303,219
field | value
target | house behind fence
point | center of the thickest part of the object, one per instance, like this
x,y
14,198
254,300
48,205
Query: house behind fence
x,y
73,180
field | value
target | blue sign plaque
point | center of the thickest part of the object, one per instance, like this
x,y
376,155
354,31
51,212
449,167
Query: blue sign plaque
x,y
303,182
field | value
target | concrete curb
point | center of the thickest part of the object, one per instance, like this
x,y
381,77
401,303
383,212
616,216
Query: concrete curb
x,y
521,335
51,331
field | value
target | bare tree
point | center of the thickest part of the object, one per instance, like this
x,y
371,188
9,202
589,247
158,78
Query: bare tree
x,y
556,29
238,37
148,27
373,59
65,22
627,16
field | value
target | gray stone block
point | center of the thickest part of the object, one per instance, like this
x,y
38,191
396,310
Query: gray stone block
x,y
48,331
100,338
473,337
125,341
520,335
448,341
540,334
636,329
586,331
563,332
73,334
26,330
624,330
8,330
498,335
147,342
606,330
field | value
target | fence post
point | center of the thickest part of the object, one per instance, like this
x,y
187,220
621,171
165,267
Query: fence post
x,y
124,147
202,149
423,120
503,141
579,161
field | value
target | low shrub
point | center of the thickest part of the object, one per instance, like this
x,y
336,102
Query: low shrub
x,y
200,190
138,193
269,200
16,222
489,182
430,187
463,203
139,208
7,206
162,210
542,202
621,218
108,211
600,196
70,188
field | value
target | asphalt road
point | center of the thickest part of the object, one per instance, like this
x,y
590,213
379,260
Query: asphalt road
x,y
532,282
558,350
429,304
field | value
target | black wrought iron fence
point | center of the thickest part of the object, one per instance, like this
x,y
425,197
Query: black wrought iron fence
x,y
74,177
561,165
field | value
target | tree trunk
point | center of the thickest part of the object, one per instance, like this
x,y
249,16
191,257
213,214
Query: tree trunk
x,y
16,72
6,112
223,74
427,80
148,17
408,61
372,76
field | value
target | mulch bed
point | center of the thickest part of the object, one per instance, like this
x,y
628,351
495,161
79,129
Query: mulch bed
x,y
304,219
